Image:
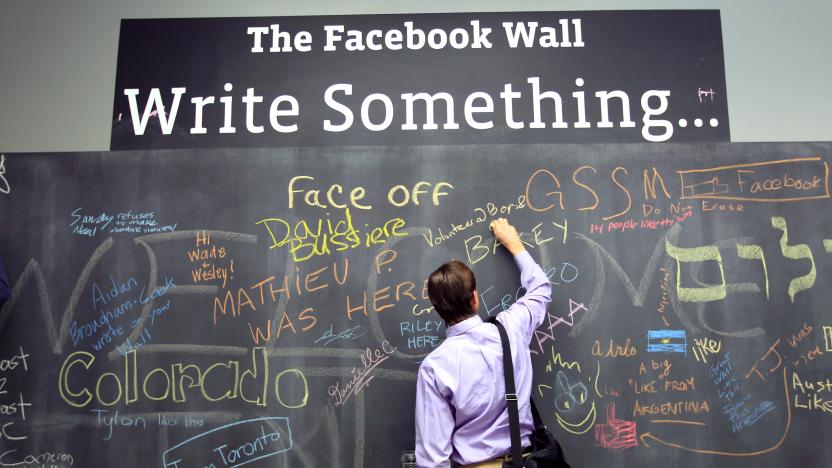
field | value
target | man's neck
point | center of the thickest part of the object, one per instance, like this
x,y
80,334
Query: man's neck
x,y
460,320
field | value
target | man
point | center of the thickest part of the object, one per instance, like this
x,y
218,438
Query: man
x,y
461,413
4,285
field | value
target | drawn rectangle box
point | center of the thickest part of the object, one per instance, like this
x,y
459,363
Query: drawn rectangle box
x,y
785,180
667,341
232,445
827,337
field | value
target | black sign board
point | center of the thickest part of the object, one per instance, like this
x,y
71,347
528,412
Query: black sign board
x,y
538,77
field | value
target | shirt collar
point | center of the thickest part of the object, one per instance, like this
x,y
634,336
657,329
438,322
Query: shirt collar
x,y
463,326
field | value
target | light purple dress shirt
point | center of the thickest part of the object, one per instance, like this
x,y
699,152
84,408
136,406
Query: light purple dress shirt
x,y
461,412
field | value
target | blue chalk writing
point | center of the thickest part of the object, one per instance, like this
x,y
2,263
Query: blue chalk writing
x,y
738,407
350,334
275,437
139,222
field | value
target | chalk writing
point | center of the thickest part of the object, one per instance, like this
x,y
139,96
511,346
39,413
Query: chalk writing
x,y
128,222
292,284
635,225
5,188
210,262
827,337
105,320
14,407
10,364
755,252
398,195
664,298
786,180
385,298
697,254
134,385
546,334
421,333
556,361
46,459
323,236
249,451
477,248
117,420
705,92
779,358
802,334
8,432
614,350
350,334
704,347
273,436
795,252
482,214
809,394
671,408
361,376
737,406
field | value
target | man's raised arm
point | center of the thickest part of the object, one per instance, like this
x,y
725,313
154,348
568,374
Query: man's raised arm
x,y
530,310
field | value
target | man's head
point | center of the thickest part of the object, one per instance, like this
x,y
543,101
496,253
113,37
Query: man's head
x,y
452,289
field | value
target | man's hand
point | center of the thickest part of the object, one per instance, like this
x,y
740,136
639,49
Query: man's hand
x,y
507,235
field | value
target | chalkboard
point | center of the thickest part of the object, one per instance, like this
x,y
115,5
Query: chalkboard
x,y
267,307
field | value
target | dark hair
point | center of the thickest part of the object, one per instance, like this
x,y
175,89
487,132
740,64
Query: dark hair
x,y
451,289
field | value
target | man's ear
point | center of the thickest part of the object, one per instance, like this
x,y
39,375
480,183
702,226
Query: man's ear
x,y
475,302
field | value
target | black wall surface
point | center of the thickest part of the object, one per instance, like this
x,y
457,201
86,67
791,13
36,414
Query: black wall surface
x,y
689,324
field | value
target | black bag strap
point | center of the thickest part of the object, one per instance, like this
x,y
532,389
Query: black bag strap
x,y
511,398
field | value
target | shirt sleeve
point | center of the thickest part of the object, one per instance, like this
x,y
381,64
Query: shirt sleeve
x,y
434,423
529,311
5,293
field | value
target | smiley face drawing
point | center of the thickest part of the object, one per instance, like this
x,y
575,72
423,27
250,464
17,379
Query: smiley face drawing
x,y
575,406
